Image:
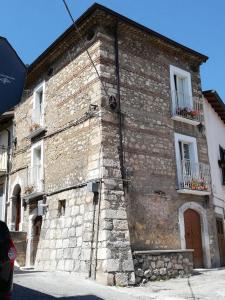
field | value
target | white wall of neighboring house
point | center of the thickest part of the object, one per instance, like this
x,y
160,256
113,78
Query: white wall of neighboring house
x,y
3,143
215,134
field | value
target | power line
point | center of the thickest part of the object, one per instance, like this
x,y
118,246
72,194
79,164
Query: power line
x,y
85,47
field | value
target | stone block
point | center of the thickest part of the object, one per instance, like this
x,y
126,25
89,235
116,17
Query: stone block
x,y
85,254
178,267
76,252
139,272
159,264
128,266
60,265
121,279
162,271
111,265
79,231
147,273
69,264
66,243
104,253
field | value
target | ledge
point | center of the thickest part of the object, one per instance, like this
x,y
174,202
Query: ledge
x,y
32,196
185,120
193,192
156,252
36,132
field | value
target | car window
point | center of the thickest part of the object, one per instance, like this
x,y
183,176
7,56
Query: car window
x,y
4,232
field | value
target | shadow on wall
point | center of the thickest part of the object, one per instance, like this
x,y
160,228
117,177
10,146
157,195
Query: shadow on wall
x,y
23,293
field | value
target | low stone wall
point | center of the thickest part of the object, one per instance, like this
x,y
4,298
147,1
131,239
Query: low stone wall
x,y
162,264
19,240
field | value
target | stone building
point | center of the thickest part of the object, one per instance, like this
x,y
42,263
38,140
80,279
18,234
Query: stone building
x,y
113,171
214,110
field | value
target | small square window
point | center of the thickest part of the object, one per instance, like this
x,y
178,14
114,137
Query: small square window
x,y
61,208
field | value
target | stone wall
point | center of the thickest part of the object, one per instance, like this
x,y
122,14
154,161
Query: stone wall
x,y
74,152
20,242
151,198
140,212
156,265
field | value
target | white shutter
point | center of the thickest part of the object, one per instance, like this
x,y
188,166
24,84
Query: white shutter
x,y
181,91
1,205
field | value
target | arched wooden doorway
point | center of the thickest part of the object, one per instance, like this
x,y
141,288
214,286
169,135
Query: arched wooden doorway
x,y
193,236
16,207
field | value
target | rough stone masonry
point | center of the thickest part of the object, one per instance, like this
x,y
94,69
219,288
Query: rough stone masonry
x,y
98,232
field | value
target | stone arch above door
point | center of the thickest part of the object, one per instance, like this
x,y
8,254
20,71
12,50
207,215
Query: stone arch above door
x,y
204,229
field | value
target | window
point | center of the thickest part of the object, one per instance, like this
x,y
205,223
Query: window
x,y
181,89
186,148
38,106
222,163
185,107
61,208
1,203
186,159
36,172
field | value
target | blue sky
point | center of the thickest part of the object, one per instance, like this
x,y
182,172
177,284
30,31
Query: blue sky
x,y
32,25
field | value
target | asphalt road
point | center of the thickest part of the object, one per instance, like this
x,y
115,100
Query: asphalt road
x,y
205,285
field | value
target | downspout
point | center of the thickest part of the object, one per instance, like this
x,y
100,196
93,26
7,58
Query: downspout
x,y
7,172
120,115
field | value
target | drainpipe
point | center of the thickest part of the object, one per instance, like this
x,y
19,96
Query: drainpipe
x,y
120,115
7,172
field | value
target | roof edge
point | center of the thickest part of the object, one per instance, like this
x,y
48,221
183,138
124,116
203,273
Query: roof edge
x,y
209,94
91,10
6,40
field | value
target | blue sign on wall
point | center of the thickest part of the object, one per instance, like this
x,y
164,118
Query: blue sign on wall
x,y
12,76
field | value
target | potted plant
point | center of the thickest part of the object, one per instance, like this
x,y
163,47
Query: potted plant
x,y
29,189
187,112
34,126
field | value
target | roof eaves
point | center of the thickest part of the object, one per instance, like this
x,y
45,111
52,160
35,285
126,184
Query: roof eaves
x,y
91,10
216,102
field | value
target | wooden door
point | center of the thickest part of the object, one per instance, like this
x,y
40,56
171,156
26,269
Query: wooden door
x,y
36,233
221,241
193,236
18,212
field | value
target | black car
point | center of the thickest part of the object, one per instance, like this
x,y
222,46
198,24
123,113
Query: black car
x,y
7,258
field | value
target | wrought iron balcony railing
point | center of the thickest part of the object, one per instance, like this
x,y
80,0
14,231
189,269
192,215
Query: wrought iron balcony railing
x,y
186,108
34,180
194,178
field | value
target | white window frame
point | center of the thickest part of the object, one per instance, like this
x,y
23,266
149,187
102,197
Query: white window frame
x,y
41,86
190,140
2,216
33,148
184,74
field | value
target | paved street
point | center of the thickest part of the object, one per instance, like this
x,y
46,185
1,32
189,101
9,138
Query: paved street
x,y
45,286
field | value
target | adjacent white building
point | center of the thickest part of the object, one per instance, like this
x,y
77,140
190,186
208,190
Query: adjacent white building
x,y
214,112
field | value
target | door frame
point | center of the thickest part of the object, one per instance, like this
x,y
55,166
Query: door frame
x,y
204,230
220,218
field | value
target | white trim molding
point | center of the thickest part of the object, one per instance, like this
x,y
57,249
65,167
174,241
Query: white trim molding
x,y
38,88
204,230
183,74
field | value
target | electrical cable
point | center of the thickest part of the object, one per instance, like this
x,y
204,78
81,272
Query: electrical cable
x,y
85,47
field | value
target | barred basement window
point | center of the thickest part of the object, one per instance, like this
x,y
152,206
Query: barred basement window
x,y
61,208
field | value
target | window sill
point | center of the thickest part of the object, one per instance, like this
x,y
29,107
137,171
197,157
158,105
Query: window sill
x,y
3,172
32,196
185,120
37,132
194,192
